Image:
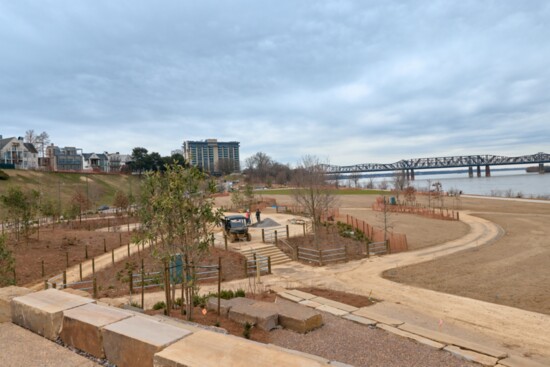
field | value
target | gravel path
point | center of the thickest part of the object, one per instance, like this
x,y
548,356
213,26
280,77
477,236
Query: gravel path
x,y
359,345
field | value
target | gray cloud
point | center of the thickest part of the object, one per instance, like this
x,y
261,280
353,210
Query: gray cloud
x,y
354,81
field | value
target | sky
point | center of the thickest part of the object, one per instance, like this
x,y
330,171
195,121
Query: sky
x,y
347,81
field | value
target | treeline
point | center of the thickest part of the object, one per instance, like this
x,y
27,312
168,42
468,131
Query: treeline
x,y
143,161
261,168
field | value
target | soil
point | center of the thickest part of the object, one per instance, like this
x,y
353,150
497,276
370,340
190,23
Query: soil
x,y
109,279
351,299
52,244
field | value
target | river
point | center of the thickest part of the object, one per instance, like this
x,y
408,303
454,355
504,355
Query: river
x,y
500,183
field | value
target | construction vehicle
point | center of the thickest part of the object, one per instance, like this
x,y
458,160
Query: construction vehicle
x,y
236,228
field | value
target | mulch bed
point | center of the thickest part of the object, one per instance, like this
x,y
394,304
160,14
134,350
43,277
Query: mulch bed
x,y
54,243
110,284
351,299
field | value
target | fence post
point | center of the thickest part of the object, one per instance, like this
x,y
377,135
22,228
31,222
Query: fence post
x,y
457,216
225,241
66,259
128,249
269,264
104,245
368,248
94,286
287,232
258,271
296,253
143,285
80,270
93,266
113,256
219,285
45,284
43,270
263,236
86,251
64,279
347,218
120,239
321,257
304,227
246,267
212,238
276,240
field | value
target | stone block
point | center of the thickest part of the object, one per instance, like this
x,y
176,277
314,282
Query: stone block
x,y
42,312
468,355
359,319
418,338
309,303
300,294
82,327
6,295
208,349
369,314
331,303
449,339
134,341
290,297
332,310
212,305
297,317
258,314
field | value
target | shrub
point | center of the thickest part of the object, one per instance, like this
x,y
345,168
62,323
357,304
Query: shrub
x,y
239,293
227,294
159,305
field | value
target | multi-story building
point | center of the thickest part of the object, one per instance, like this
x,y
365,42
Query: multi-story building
x,y
117,161
96,162
64,159
213,156
15,153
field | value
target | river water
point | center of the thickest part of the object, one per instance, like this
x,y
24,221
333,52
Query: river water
x,y
500,183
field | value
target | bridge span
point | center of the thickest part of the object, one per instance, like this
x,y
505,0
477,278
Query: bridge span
x,y
408,166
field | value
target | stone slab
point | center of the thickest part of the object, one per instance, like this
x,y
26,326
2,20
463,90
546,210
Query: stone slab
x,y
339,364
6,295
297,317
298,353
42,312
300,294
212,305
207,349
331,303
82,326
469,355
369,314
415,337
309,303
134,341
449,339
265,318
23,348
359,319
516,361
290,297
332,310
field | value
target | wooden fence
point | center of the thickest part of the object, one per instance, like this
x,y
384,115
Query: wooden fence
x,y
435,213
397,241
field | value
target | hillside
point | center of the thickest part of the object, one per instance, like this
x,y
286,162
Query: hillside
x,y
60,187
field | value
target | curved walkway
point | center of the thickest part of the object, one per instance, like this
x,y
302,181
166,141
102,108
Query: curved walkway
x,y
503,326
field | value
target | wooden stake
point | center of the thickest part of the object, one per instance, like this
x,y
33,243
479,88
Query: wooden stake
x,y
113,256
43,270
80,270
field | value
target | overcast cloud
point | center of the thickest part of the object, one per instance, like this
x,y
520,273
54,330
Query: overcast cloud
x,y
349,81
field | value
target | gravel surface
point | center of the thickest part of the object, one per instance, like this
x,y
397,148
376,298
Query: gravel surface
x,y
360,345
266,223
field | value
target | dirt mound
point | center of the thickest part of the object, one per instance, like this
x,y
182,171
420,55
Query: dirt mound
x,y
266,223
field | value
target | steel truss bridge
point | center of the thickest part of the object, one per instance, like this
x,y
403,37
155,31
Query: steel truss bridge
x,y
469,161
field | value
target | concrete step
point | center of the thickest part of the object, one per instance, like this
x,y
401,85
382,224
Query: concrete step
x,y
276,255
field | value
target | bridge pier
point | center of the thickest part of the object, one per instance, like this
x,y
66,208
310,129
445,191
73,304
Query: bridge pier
x,y
470,171
408,172
541,168
487,171
478,171
412,174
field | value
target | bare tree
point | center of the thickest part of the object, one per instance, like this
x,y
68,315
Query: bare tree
x,y
311,188
258,166
226,166
399,181
354,177
40,141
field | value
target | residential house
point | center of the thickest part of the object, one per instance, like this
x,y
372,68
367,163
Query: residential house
x,y
117,161
64,159
15,153
96,162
